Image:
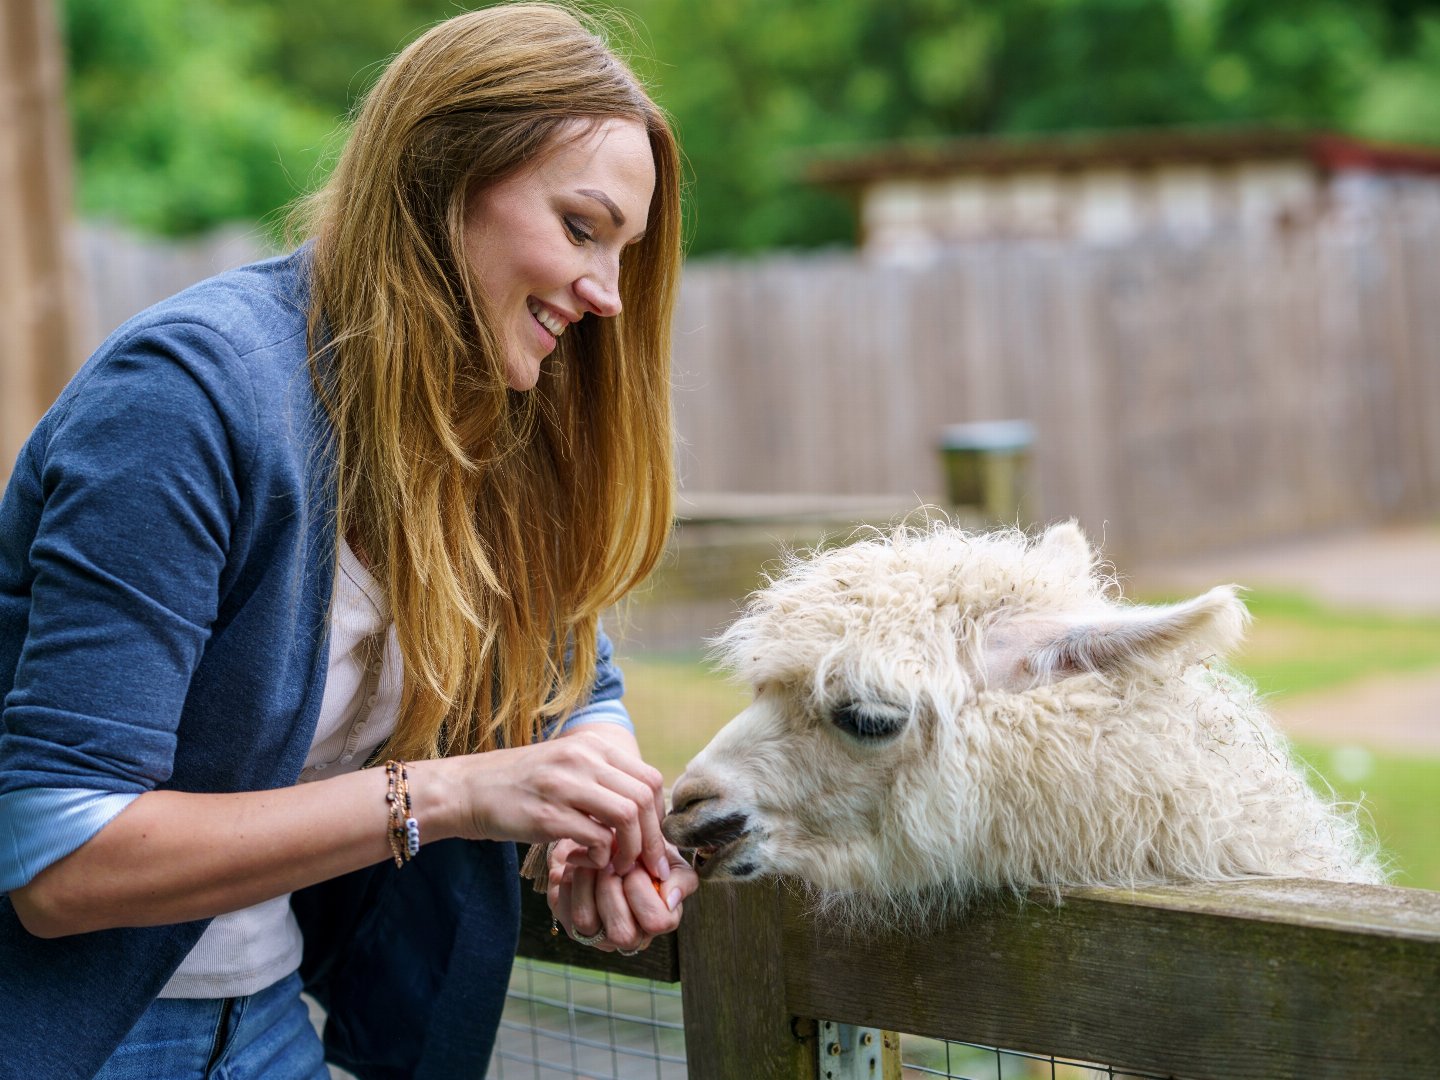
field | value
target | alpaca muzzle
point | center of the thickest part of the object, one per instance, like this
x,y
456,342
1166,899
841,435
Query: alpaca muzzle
x,y
715,836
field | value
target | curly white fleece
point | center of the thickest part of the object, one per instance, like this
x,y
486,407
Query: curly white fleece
x,y
1056,735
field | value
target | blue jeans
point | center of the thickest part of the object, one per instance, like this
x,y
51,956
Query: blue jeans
x,y
266,1036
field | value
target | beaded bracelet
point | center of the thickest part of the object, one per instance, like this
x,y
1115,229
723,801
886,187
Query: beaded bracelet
x,y
404,829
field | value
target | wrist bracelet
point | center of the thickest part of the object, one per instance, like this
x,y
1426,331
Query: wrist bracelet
x,y
404,830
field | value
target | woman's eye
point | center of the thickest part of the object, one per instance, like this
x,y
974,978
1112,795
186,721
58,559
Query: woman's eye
x,y
578,233
868,720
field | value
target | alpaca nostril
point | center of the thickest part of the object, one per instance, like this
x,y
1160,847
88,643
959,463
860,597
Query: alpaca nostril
x,y
690,792
689,804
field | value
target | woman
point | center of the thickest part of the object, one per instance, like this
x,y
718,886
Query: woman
x,y
361,503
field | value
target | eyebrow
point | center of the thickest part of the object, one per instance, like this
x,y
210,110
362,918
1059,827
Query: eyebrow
x,y
604,200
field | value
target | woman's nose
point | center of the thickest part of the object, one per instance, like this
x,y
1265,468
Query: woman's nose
x,y
600,292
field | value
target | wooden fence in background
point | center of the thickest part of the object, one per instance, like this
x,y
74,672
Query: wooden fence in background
x,y
1184,396
126,273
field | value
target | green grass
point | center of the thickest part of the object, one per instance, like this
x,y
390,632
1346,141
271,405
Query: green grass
x,y
1296,646
1399,794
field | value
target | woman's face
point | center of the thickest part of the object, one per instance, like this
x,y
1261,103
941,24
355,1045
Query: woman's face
x,y
545,243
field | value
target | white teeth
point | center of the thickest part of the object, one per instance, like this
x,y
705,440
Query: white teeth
x,y
555,325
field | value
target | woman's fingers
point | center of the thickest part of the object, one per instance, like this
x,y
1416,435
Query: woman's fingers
x,y
632,909
652,854
683,881
578,787
637,782
648,904
622,928
585,918
562,853
636,817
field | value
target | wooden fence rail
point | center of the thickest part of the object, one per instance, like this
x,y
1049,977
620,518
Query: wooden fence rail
x,y
1256,980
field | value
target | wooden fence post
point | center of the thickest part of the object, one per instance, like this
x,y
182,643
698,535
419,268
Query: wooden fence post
x,y
37,288
732,983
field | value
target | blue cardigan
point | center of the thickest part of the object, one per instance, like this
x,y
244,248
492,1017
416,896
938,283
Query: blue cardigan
x,y
166,562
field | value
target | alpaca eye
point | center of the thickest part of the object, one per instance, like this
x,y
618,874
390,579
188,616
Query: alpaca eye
x,y
867,720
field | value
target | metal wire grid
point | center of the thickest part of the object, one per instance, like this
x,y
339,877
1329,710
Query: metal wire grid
x,y
971,1061
561,1021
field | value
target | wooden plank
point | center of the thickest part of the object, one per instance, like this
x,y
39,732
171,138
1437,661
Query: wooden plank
x,y
734,992
660,961
1259,980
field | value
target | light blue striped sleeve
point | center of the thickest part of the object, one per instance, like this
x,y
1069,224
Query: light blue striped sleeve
x,y
40,826
610,711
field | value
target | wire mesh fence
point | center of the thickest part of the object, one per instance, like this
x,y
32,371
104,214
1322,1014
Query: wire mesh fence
x,y
953,1060
563,1021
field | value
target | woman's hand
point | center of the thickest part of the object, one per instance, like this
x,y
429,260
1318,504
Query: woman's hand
x,y
632,909
589,786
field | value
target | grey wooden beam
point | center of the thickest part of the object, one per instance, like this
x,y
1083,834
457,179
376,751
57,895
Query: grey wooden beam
x,y
1259,980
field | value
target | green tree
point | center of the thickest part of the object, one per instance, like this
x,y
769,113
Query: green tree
x,y
176,128
191,112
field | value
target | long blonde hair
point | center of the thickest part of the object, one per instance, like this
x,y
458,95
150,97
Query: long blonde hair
x,y
500,524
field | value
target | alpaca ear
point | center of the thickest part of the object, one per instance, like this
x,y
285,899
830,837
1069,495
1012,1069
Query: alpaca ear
x,y
1065,546
1124,638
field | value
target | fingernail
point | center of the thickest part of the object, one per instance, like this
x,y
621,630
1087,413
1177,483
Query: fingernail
x,y
673,900
664,870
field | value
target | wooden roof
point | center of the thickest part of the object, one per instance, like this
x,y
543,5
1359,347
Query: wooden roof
x,y
1130,149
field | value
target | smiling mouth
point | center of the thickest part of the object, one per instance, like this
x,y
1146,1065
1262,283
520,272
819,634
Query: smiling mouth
x,y
553,324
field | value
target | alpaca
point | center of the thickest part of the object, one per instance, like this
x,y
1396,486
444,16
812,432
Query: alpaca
x,y
939,714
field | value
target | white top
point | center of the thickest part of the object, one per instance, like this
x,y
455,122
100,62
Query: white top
x,y
244,951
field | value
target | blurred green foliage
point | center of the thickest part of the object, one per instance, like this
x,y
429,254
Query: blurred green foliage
x,y
191,112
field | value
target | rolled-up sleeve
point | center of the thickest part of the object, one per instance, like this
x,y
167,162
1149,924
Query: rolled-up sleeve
x,y
40,826
604,704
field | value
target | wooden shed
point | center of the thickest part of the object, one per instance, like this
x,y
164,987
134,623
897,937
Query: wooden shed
x,y
1115,187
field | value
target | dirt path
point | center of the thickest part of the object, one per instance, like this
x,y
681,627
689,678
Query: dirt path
x,y
1390,712
1394,569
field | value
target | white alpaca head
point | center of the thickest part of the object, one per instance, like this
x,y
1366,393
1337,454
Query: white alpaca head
x,y
943,712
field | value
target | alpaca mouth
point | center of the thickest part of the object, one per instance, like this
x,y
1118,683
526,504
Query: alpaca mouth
x,y
710,859
713,843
